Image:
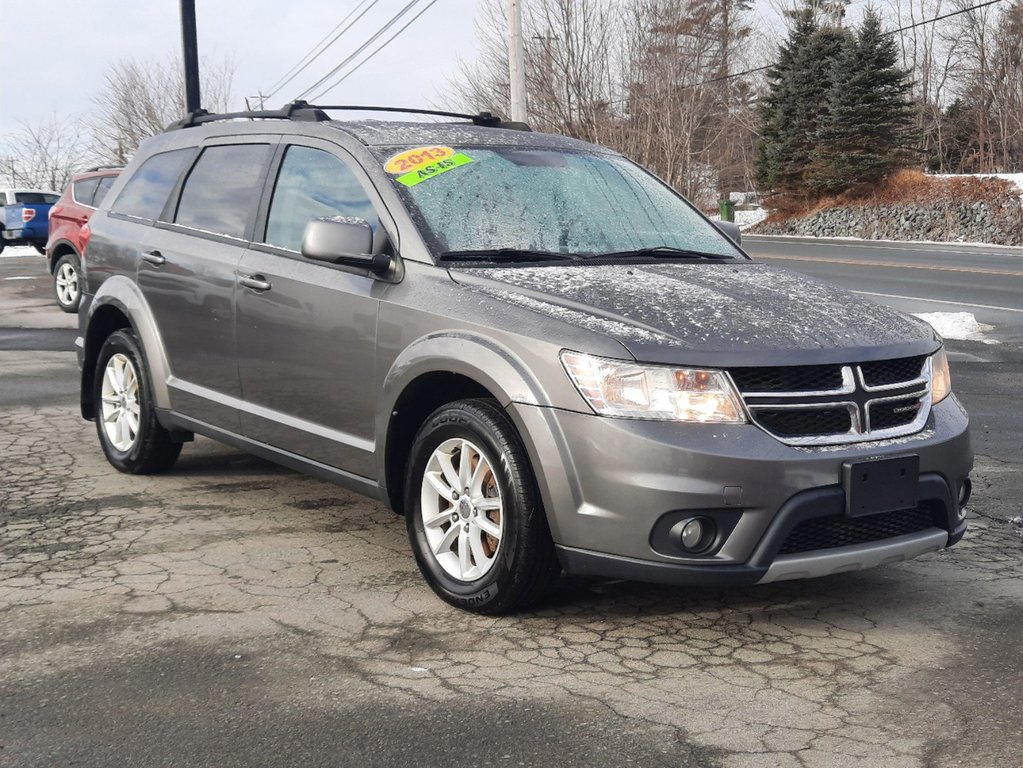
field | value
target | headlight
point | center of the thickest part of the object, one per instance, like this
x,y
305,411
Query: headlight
x,y
618,388
941,381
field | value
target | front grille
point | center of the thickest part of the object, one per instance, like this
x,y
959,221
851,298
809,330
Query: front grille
x,y
833,404
792,422
894,413
793,378
831,532
882,373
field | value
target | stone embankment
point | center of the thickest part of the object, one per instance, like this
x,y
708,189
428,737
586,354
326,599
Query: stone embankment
x,y
976,221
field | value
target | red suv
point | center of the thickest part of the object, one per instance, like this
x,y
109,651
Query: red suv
x,y
67,232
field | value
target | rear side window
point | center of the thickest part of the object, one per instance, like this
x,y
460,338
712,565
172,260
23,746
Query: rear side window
x,y
312,184
105,183
35,198
147,191
85,190
222,191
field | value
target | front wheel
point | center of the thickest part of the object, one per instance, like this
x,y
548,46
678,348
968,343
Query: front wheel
x,y
132,438
473,513
67,283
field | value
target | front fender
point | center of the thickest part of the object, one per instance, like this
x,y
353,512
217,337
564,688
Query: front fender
x,y
475,356
122,293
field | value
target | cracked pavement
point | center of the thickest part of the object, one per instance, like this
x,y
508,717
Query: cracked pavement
x,y
231,612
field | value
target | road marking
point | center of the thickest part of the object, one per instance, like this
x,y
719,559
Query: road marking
x,y
22,277
919,246
819,260
938,301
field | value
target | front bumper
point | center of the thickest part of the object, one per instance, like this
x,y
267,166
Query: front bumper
x,y
614,487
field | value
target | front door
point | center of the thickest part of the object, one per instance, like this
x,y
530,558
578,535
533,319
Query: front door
x,y
306,330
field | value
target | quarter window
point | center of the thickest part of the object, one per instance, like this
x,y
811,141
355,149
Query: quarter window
x,y
105,183
311,184
222,191
147,190
85,190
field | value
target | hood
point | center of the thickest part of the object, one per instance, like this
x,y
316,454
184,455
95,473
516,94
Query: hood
x,y
710,313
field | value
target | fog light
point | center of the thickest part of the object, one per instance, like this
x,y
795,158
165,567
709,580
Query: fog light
x,y
965,491
696,534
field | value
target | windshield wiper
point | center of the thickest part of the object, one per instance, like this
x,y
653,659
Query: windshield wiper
x,y
507,255
665,252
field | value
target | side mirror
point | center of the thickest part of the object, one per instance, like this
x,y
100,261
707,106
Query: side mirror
x,y
341,240
730,229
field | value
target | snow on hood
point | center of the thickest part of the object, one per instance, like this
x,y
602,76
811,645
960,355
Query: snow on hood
x,y
721,313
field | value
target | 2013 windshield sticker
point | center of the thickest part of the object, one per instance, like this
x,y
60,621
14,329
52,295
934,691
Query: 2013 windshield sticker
x,y
418,165
411,159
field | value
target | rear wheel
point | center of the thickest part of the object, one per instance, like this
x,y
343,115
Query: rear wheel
x,y
473,514
66,282
132,438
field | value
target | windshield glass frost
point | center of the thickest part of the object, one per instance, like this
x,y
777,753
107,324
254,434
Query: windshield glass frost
x,y
543,200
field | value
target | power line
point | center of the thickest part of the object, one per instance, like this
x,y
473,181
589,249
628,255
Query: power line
x,y
390,23
314,54
387,42
754,70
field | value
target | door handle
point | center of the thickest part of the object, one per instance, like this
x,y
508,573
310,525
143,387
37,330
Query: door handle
x,y
255,282
153,257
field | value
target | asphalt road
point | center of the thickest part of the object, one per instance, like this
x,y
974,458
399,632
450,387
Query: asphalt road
x,y
985,281
233,613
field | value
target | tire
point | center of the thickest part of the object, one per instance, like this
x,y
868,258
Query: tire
x,y
489,551
40,249
148,448
67,287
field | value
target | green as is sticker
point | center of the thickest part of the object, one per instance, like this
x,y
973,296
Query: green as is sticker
x,y
434,169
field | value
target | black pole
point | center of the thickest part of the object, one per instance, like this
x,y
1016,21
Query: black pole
x,y
190,50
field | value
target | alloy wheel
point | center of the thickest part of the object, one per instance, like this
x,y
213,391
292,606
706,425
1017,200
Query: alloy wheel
x,y
120,407
462,509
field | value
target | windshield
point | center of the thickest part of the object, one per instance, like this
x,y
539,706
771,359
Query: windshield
x,y
473,199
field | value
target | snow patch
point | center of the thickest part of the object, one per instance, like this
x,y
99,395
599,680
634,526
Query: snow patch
x,y
957,325
13,251
746,218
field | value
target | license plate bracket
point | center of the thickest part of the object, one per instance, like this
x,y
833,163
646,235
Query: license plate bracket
x,y
880,485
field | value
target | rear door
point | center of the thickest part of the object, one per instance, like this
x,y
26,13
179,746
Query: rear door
x,y
188,272
307,330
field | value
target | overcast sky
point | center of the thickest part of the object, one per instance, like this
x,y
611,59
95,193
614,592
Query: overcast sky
x,y
56,54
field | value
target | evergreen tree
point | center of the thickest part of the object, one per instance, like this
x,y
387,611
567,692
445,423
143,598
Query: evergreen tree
x,y
863,132
797,100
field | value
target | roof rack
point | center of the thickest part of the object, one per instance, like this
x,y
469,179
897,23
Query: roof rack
x,y
302,110
104,168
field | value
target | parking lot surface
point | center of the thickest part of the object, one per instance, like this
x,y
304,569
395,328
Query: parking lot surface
x,y
234,613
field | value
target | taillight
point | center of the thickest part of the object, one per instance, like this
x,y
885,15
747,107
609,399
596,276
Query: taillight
x,y
27,214
86,234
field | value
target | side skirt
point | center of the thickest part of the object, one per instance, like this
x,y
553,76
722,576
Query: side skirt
x,y
357,483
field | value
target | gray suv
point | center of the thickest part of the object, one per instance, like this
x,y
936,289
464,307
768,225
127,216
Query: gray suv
x,y
538,353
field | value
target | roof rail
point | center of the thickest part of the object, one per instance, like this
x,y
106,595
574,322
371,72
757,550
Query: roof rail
x,y
302,110
297,110
104,168
480,118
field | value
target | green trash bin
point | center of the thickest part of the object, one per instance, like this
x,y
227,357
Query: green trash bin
x,y
727,209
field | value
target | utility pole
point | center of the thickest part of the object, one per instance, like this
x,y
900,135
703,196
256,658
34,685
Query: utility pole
x,y
190,56
516,60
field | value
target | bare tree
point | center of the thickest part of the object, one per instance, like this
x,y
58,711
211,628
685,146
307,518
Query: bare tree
x,y
140,98
633,76
44,155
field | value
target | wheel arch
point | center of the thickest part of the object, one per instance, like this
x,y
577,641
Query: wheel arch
x,y
120,304
59,249
439,369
